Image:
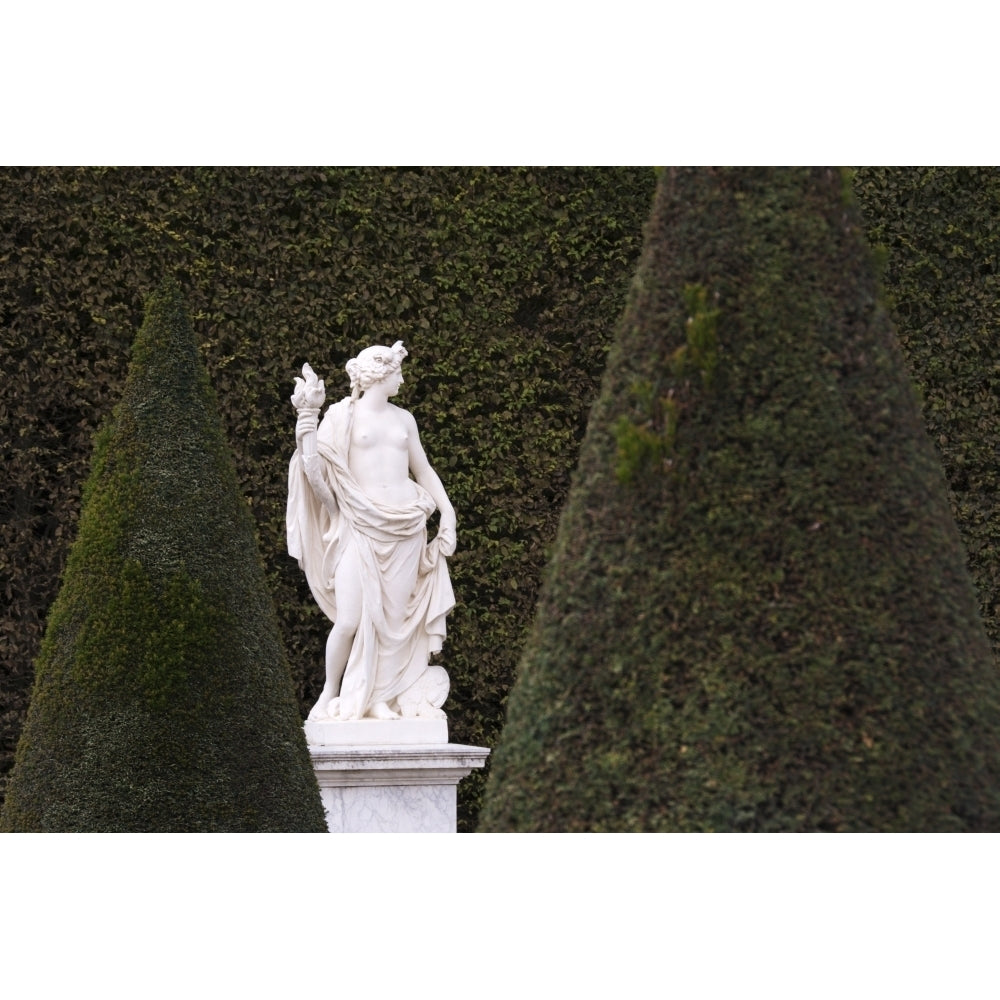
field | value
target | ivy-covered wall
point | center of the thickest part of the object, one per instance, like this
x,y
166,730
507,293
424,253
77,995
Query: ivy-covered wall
x,y
504,285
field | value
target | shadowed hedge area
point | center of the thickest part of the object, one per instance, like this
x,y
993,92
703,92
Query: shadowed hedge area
x,y
938,231
757,615
163,699
504,285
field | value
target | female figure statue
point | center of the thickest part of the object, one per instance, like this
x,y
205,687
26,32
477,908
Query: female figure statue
x,y
357,523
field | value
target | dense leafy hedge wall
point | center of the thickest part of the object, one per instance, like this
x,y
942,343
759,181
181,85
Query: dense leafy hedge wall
x,y
163,699
757,615
503,284
938,229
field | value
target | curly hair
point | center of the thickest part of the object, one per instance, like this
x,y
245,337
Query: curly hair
x,y
373,364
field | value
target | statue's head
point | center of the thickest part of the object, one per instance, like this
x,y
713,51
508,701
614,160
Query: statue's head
x,y
373,364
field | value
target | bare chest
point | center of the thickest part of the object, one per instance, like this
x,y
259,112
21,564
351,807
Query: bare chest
x,y
379,432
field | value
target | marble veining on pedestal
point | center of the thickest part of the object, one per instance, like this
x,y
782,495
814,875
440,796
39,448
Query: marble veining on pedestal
x,y
391,809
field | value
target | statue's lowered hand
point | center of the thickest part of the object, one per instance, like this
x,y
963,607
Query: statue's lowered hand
x,y
447,539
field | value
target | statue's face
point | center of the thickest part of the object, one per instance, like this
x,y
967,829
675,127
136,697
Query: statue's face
x,y
394,380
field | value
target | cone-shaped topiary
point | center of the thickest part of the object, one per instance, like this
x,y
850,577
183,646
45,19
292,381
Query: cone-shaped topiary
x,y
162,697
757,615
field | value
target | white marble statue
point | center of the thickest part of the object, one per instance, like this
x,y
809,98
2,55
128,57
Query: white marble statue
x,y
357,523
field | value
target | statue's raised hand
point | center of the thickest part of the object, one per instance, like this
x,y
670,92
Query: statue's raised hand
x,y
310,393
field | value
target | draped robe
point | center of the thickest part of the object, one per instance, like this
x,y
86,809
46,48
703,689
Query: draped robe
x,y
405,587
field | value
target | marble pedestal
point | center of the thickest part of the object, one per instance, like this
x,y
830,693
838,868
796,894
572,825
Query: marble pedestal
x,y
399,776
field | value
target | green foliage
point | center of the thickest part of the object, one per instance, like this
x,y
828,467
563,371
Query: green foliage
x,y
646,447
503,284
645,439
781,634
162,696
936,235
701,352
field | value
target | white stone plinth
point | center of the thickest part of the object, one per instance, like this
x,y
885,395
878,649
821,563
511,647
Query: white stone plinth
x,y
397,788
378,732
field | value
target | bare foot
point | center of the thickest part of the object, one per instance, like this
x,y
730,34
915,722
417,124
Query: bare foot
x,y
382,711
327,707
319,710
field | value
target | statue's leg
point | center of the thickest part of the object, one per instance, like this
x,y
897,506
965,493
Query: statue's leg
x,y
397,586
347,585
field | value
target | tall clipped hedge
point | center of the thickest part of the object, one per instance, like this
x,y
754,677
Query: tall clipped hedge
x,y
503,284
938,230
162,698
757,615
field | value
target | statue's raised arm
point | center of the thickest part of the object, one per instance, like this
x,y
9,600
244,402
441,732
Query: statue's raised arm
x,y
360,492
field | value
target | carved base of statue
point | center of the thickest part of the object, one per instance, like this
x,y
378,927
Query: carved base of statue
x,y
421,700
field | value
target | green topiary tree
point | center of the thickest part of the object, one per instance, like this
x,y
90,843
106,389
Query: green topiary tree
x,y
757,615
162,698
